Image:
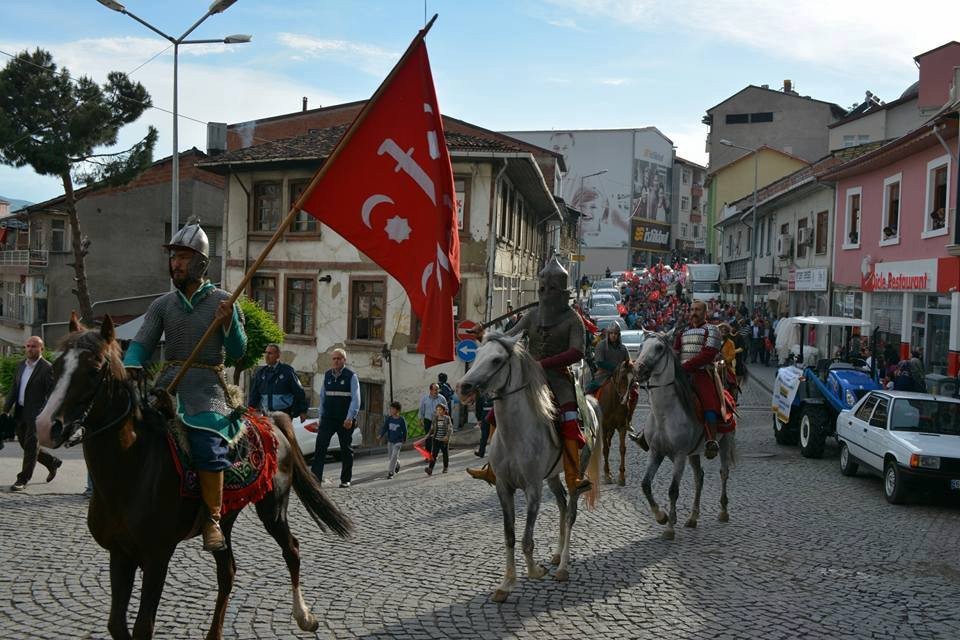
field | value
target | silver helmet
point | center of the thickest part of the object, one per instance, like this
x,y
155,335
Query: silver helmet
x,y
553,294
192,237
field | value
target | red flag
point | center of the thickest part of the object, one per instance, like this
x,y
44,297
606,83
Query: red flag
x,y
388,190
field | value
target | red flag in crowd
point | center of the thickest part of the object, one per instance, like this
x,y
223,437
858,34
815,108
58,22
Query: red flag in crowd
x,y
388,190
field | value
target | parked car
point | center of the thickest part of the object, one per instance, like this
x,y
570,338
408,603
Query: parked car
x,y
910,439
604,283
601,299
632,339
609,292
603,314
306,432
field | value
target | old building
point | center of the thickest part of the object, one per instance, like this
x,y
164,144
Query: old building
x,y
689,226
126,265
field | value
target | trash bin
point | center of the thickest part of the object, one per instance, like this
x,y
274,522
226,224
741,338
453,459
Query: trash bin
x,y
941,385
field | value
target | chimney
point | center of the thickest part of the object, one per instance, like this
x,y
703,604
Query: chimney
x,y
304,103
216,138
788,86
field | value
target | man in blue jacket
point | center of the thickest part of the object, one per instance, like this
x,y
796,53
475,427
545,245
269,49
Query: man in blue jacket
x,y
276,387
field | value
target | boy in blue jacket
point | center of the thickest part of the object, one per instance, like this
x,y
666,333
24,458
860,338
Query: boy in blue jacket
x,y
394,431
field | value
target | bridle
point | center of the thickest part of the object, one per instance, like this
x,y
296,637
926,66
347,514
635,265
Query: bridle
x,y
506,385
79,431
666,361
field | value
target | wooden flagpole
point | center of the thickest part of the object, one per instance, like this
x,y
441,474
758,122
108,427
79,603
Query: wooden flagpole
x,y
295,208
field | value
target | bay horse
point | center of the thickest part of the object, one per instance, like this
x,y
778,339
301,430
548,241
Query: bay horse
x,y
526,449
617,409
673,430
137,512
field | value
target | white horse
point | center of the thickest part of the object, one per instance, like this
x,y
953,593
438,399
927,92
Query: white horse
x,y
673,431
526,449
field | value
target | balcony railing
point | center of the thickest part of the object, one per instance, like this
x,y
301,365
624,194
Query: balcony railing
x,y
23,258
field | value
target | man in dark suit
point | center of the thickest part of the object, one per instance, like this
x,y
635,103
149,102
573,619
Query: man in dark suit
x,y
32,384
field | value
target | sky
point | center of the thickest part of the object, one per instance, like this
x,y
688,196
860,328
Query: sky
x,y
500,64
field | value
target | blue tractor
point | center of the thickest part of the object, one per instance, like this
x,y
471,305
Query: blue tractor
x,y
810,392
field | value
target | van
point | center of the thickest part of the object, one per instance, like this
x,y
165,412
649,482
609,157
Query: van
x,y
703,282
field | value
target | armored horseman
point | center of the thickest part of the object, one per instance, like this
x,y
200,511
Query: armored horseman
x,y
183,316
555,338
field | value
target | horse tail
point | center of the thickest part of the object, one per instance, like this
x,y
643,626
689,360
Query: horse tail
x,y
318,505
596,452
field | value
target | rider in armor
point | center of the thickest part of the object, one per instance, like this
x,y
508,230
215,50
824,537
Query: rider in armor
x,y
555,337
608,355
183,316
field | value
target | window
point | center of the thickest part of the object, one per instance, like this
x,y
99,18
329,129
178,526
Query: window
x,y
739,238
935,220
822,232
738,118
368,301
696,231
879,417
890,231
851,239
685,176
801,231
461,187
684,203
763,116
263,289
299,305
760,236
730,245
683,230
36,236
863,413
58,235
855,140
303,222
267,197
769,236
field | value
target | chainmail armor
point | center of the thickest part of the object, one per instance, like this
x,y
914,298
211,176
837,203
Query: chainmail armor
x,y
694,339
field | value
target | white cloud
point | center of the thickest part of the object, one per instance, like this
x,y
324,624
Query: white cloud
x,y
861,34
565,23
366,57
614,82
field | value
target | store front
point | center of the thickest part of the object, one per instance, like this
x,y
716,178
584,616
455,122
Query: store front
x,y
808,292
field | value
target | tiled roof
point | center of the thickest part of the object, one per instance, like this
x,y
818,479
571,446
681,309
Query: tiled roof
x,y
319,143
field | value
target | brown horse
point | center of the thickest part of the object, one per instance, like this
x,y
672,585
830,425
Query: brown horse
x,y
617,408
137,512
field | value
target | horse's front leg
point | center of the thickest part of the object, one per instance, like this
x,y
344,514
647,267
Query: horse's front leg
x,y
697,490
533,494
561,556
151,588
726,453
623,454
607,440
122,571
653,465
563,573
679,464
510,538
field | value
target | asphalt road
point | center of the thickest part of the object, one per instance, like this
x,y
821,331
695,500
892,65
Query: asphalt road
x,y
807,553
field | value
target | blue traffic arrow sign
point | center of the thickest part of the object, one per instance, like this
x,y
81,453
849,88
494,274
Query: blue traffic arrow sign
x,y
467,350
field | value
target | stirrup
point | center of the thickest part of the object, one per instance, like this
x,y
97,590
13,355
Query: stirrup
x,y
639,439
213,538
711,449
483,473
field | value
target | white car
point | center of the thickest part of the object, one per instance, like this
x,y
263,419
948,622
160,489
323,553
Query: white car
x,y
306,433
598,299
911,439
615,293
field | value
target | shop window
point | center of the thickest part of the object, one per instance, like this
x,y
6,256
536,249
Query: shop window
x,y
851,239
267,205
263,289
300,302
823,224
890,230
303,222
935,220
368,301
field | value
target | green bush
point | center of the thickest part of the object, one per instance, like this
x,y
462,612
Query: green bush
x,y
261,330
8,369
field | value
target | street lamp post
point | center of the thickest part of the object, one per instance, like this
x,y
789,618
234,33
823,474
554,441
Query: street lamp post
x,y
218,6
580,225
753,222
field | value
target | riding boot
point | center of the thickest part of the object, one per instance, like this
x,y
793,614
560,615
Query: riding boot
x,y
211,490
483,473
571,468
712,448
640,439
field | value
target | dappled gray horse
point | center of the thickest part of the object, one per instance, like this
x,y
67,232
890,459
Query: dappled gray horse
x,y
526,448
673,431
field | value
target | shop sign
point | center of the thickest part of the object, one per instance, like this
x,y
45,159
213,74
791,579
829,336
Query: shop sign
x,y
650,236
908,275
811,279
849,300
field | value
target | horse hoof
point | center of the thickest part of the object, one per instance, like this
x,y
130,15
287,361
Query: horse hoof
x,y
691,524
622,481
499,596
555,559
668,534
607,479
562,575
724,517
537,572
309,623
661,517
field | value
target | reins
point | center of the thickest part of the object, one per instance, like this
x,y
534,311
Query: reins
x,y
506,361
82,432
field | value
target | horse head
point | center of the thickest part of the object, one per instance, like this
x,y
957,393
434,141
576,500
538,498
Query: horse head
x,y
490,369
87,359
654,356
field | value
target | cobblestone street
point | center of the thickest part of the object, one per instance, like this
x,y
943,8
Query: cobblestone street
x,y
807,553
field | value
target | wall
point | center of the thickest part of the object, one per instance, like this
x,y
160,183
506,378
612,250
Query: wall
x,y
936,74
873,125
736,181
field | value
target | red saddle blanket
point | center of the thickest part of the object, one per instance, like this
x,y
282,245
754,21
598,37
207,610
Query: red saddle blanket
x,y
253,461
728,419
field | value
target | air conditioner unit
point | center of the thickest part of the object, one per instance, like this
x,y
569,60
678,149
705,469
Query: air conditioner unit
x,y
804,236
783,245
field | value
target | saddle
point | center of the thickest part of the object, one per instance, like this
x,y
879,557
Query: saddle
x,y
252,457
728,417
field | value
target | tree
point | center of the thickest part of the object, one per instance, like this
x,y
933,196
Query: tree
x,y
261,330
55,124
